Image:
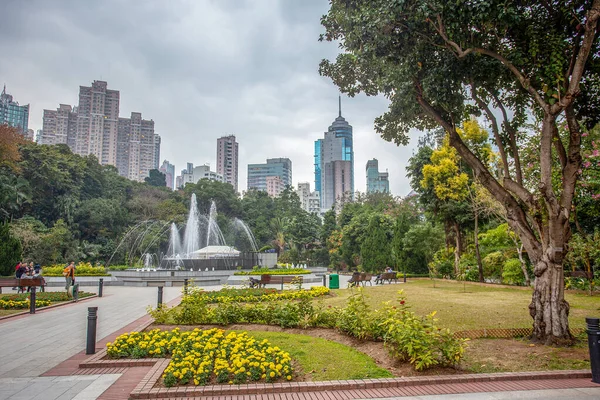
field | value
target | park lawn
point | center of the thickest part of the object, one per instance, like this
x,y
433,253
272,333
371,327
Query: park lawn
x,y
324,360
469,306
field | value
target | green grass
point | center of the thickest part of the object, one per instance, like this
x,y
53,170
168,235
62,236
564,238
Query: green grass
x,y
470,306
323,359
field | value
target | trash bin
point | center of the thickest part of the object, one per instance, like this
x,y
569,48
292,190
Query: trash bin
x,y
593,331
334,281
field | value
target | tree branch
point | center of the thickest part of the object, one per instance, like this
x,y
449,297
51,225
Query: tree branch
x,y
560,148
483,105
523,194
462,53
515,214
569,178
586,46
545,185
512,135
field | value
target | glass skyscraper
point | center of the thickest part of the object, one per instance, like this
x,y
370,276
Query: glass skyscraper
x,y
334,162
11,113
258,173
376,181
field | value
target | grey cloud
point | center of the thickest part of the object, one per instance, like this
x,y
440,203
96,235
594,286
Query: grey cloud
x,y
200,69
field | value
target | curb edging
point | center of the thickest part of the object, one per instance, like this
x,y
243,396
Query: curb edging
x,y
146,388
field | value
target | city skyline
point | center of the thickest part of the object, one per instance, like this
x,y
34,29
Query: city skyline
x,y
250,70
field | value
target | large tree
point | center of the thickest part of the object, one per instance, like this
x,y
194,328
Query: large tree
x,y
435,59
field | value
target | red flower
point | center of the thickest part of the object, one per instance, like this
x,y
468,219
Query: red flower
x,y
402,302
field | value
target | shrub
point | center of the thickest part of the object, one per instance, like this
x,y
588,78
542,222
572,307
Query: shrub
x,y
512,273
81,269
407,336
267,271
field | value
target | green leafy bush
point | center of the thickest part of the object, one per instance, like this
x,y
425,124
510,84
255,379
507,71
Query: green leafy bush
x,y
512,273
267,271
407,336
81,269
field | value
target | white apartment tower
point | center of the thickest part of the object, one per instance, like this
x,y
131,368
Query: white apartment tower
x,y
227,160
97,122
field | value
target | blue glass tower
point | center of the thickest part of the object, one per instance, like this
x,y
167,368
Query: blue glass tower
x,y
334,162
12,113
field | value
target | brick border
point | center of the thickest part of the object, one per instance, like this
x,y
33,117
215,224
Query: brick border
x,y
146,388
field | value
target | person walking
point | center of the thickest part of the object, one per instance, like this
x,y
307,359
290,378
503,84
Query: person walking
x,y
69,274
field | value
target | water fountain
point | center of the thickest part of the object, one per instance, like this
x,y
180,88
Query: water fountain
x,y
203,244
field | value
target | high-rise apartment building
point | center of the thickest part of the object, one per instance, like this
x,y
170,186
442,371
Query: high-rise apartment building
x,y
334,163
98,122
60,126
94,127
258,173
376,181
194,174
136,148
310,201
11,113
169,170
274,186
156,150
227,159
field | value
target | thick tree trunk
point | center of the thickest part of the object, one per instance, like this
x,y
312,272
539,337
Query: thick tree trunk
x,y
548,308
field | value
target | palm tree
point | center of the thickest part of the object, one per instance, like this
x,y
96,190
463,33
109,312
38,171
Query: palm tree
x,y
14,193
279,227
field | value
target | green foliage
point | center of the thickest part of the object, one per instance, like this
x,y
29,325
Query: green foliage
x,y
156,178
375,251
512,273
81,269
410,338
10,251
442,265
492,265
267,271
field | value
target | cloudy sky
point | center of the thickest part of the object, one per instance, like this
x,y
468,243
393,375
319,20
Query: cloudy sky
x,y
200,70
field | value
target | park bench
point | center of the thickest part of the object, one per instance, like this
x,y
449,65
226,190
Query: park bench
x,y
278,279
387,276
363,278
580,274
22,283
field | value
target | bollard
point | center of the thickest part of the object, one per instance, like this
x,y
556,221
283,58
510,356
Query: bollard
x,y
325,280
100,286
185,286
593,331
160,297
32,301
90,347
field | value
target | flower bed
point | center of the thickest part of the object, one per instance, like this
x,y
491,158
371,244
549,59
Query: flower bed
x,y
21,304
281,271
407,336
228,295
209,356
43,299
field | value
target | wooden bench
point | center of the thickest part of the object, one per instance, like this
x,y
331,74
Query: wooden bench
x,y
580,274
279,279
387,276
22,283
362,277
